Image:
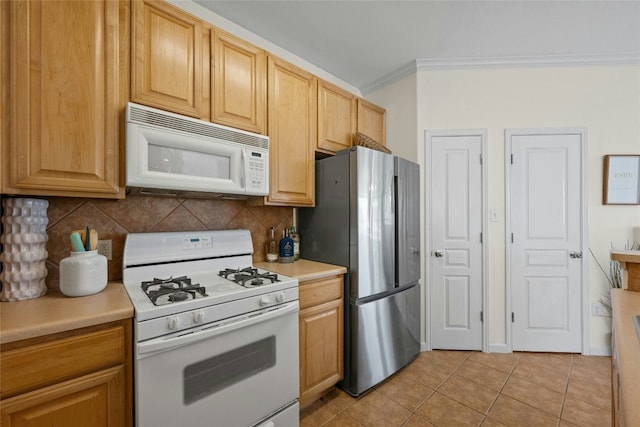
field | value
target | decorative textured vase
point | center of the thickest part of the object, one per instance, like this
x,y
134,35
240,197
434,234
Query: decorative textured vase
x,y
24,240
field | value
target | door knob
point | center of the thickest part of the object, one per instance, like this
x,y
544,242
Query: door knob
x,y
438,254
574,254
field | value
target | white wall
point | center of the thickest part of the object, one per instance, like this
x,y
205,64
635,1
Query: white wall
x,y
605,100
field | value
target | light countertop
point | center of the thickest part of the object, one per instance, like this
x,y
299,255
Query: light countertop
x,y
626,256
303,269
626,304
54,312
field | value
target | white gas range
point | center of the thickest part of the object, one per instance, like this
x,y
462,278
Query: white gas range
x,y
215,338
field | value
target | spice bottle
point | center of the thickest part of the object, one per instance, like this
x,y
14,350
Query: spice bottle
x,y
295,236
271,247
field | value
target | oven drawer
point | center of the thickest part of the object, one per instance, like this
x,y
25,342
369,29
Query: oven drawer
x,y
33,366
320,291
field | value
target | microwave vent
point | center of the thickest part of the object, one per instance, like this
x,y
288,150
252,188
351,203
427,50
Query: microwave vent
x,y
193,126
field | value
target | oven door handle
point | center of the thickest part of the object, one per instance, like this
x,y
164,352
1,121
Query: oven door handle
x,y
145,349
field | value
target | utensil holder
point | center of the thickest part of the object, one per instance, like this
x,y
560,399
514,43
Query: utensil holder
x,y
83,273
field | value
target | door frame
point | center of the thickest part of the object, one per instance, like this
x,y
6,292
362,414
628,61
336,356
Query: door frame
x,y
428,135
584,229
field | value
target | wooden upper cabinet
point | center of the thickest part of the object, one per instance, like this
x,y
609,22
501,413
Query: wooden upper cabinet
x,y
239,83
167,58
67,85
292,112
336,118
371,121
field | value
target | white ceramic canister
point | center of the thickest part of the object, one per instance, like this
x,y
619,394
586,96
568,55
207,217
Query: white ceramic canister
x,y
83,273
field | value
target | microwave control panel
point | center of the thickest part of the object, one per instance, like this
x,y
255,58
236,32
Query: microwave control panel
x,y
257,179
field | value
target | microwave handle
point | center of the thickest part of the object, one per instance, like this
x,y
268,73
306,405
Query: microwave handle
x,y
243,176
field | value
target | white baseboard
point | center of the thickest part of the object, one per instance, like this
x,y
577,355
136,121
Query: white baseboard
x,y
600,351
424,346
498,348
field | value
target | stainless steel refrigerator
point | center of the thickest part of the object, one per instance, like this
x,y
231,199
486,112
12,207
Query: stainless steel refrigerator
x,y
367,218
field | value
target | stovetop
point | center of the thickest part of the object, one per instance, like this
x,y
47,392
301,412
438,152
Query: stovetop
x,y
177,272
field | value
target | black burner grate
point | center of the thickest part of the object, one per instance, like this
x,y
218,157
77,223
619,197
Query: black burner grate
x,y
175,289
249,277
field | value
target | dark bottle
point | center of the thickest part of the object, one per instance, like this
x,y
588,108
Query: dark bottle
x,y
286,248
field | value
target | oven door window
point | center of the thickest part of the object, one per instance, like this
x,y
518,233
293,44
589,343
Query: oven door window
x,y
216,373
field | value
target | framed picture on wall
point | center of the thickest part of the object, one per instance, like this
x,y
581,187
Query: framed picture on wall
x,y
621,179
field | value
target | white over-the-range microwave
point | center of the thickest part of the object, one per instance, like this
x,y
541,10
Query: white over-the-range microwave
x,y
173,155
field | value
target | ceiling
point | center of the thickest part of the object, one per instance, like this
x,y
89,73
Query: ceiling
x,y
365,43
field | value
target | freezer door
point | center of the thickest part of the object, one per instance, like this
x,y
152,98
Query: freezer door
x,y
407,187
372,223
384,337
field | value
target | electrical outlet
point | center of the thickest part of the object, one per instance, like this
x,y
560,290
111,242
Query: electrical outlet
x,y
598,310
104,248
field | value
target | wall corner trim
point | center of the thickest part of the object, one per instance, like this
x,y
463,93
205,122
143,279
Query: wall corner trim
x,y
631,58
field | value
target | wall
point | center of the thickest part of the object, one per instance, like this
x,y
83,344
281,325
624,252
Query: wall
x,y
113,219
605,100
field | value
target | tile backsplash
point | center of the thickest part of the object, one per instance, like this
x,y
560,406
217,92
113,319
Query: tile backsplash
x,y
113,219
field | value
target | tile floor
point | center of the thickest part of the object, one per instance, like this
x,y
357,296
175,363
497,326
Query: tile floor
x,y
455,388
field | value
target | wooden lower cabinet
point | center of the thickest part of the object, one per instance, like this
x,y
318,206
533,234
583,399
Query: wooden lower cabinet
x,y
91,400
80,378
321,337
617,418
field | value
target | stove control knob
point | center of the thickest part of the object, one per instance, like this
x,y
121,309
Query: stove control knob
x,y
174,322
280,296
265,300
198,316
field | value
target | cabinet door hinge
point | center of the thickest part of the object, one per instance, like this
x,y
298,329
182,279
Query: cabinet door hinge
x,y
513,317
480,159
512,159
481,239
482,316
511,237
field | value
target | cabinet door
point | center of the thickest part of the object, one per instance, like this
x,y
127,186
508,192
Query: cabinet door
x,y
167,62
239,83
68,83
336,118
93,400
321,349
371,121
292,98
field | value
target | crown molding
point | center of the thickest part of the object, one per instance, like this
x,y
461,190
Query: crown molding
x,y
450,64
400,73
528,61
